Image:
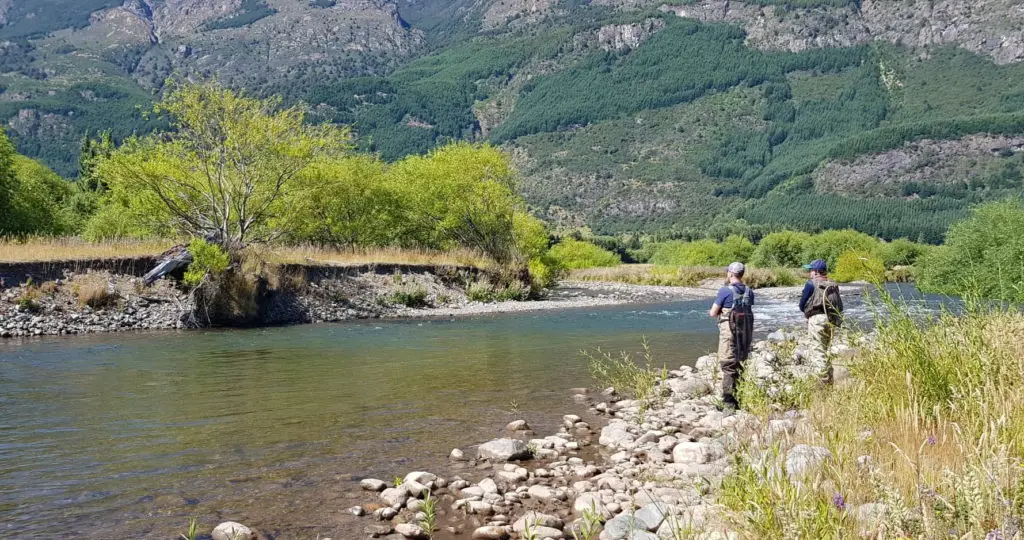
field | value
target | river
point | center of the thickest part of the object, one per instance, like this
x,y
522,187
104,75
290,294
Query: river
x,y
127,435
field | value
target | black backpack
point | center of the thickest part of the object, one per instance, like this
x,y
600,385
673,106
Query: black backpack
x,y
825,300
741,321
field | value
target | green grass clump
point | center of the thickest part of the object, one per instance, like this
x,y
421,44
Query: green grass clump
x,y
627,376
411,295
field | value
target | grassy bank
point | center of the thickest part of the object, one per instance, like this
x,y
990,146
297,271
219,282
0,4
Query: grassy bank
x,y
683,276
49,249
926,440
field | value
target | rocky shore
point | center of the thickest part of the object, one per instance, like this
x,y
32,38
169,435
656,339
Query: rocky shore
x,y
638,469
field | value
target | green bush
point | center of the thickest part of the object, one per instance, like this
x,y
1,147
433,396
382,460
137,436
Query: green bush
x,y
900,252
411,295
544,272
859,266
783,249
480,291
207,259
575,254
703,252
983,255
829,245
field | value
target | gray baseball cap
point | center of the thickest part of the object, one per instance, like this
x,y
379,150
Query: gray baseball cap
x,y
736,268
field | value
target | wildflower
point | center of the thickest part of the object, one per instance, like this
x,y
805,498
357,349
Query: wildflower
x,y
839,501
931,440
994,534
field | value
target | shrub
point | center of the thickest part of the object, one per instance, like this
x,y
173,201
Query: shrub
x,y
514,290
544,272
207,259
859,266
783,249
900,252
703,252
829,245
28,301
480,291
983,255
574,254
626,375
411,295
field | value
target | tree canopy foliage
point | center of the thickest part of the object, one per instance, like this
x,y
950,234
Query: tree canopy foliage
x,y
983,255
224,171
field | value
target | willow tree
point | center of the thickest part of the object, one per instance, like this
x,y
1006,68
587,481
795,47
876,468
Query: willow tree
x,y
224,170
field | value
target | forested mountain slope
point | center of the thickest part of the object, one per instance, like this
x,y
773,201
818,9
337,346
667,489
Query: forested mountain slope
x,y
890,116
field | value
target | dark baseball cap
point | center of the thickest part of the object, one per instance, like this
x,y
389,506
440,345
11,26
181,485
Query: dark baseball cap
x,y
817,265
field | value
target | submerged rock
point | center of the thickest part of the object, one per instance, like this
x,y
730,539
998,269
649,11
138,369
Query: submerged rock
x,y
229,530
372,484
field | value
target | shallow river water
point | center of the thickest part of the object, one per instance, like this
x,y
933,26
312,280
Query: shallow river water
x,y
127,435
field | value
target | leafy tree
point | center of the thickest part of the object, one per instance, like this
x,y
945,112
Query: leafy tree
x,y
784,249
460,195
829,245
983,255
225,169
900,252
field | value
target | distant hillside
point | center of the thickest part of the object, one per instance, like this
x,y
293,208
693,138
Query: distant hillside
x,y
891,116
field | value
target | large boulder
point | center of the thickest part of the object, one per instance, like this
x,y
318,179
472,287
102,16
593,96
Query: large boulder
x,y
623,526
229,530
411,530
615,434
503,450
697,452
651,516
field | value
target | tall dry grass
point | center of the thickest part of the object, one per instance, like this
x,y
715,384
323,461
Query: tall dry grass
x,y
931,428
46,249
357,256
683,276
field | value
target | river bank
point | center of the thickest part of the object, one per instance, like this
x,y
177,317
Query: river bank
x,y
109,296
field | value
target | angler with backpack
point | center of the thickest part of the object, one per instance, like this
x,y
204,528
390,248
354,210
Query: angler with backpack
x,y
733,309
823,307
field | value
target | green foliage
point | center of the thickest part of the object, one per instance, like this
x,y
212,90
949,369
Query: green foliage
x,y
983,255
34,200
225,170
193,529
460,195
859,266
574,254
680,63
207,260
480,291
703,252
626,375
411,295
784,249
829,245
900,252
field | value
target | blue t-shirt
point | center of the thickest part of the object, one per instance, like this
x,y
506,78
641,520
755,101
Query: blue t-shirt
x,y
725,295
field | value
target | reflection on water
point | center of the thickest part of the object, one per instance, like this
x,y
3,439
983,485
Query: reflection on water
x,y
123,435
